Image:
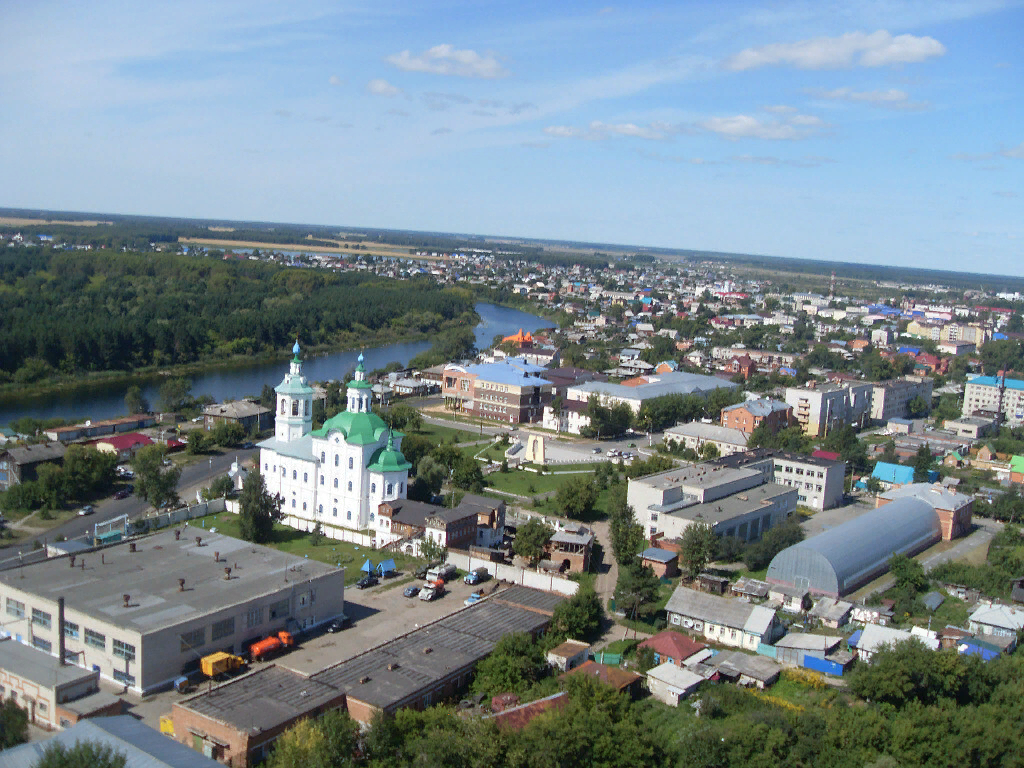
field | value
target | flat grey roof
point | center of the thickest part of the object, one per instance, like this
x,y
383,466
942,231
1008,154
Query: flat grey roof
x,y
264,699
150,577
38,666
90,703
532,599
698,476
736,505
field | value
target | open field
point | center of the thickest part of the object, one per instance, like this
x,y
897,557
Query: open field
x,y
390,251
13,221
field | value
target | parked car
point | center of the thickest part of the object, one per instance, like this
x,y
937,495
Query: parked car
x,y
124,493
597,450
335,626
247,446
446,572
86,510
476,597
369,580
411,591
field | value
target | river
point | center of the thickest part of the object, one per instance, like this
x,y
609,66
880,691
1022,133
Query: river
x,y
106,400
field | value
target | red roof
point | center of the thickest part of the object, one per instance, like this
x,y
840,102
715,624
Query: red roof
x,y
674,645
125,442
619,679
829,455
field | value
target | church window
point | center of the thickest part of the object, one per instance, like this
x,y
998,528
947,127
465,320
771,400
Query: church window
x,y
371,517
284,472
335,511
336,459
295,474
305,477
283,401
293,503
303,506
350,465
321,479
323,457
295,407
401,487
348,516
320,509
335,482
391,488
373,487
266,466
350,485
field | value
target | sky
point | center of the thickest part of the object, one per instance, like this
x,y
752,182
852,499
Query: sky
x,y
878,131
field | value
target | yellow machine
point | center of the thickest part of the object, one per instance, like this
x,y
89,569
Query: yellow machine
x,y
220,663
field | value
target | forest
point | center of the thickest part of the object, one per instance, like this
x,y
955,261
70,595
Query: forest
x,y
76,312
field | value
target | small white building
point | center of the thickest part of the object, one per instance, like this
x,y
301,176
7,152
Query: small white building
x,y
568,655
670,684
696,435
996,619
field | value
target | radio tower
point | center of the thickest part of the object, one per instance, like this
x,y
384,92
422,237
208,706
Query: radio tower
x,y
832,286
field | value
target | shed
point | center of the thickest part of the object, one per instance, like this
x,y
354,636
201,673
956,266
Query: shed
x,y
932,601
386,567
367,567
664,563
716,585
670,684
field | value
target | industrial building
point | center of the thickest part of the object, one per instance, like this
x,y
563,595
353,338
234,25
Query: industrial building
x,y
734,501
238,721
843,558
143,612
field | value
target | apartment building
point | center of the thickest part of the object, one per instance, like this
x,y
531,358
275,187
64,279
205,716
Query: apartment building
x,y
982,394
749,415
820,409
819,481
889,399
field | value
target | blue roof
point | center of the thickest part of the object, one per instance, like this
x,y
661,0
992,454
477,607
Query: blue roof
x,y
971,649
999,336
367,566
386,565
514,371
854,638
990,381
658,555
893,473
909,350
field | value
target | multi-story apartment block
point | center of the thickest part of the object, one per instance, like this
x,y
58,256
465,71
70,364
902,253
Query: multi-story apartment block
x,y
819,481
982,394
889,399
819,410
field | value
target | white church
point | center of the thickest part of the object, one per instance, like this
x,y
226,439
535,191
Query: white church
x,y
340,473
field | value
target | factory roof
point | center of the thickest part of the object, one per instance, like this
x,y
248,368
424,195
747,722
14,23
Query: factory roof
x,y
38,666
657,385
149,577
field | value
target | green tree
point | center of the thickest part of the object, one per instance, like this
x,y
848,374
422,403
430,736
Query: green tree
x,y
530,539
329,741
175,393
577,618
227,433
873,485
696,548
514,666
468,476
923,463
760,553
576,497
432,550
626,534
637,589
918,407
52,485
84,754
154,482
889,455
258,510
89,472
199,442
134,401
908,573
220,487
13,724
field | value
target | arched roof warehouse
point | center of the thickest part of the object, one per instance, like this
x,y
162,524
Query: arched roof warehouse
x,y
843,558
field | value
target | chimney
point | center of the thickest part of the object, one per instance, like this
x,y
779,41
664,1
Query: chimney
x,y
127,600
60,631
71,560
227,574
181,585
216,557
177,534
131,546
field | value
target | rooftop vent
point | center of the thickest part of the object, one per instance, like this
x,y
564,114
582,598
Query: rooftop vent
x,y
181,585
127,600
428,650
364,680
199,541
216,557
177,534
227,574
393,666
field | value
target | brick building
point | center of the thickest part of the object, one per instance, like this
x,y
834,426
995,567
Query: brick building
x,y
512,391
749,415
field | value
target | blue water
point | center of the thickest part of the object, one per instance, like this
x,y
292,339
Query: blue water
x,y
106,401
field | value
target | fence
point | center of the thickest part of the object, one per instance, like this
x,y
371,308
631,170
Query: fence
x,y
823,665
164,519
467,561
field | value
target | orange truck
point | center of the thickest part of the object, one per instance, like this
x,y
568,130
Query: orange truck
x,y
271,645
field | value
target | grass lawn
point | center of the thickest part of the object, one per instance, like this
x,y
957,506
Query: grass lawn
x,y
519,482
299,543
438,433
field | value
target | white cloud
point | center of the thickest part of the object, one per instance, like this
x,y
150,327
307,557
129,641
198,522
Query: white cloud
x,y
563,131
448,60
1017,153
625,129
893,98
877,49
334,80
749,127
380,87
780,109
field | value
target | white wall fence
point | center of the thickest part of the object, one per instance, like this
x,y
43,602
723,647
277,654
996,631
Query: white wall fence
x,y
164,519
467,561
335,532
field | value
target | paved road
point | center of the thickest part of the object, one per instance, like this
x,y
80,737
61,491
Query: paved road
x,y
193,477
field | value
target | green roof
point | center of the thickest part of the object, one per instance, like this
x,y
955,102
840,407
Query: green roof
x,y
388,460
358,428
355,384
1017,463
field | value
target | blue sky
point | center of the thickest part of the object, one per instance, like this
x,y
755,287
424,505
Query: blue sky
x,y
877,131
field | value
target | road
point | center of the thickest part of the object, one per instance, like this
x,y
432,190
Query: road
x,y
193,477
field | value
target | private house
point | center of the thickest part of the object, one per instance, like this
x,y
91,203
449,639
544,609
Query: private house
x,y
789,599
123,446
791,649
621,680
672,647
402,519
569,549
670,684
20,464
744,669
250,416
874,637
892,475
831,612
994,619
722,619
872,614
